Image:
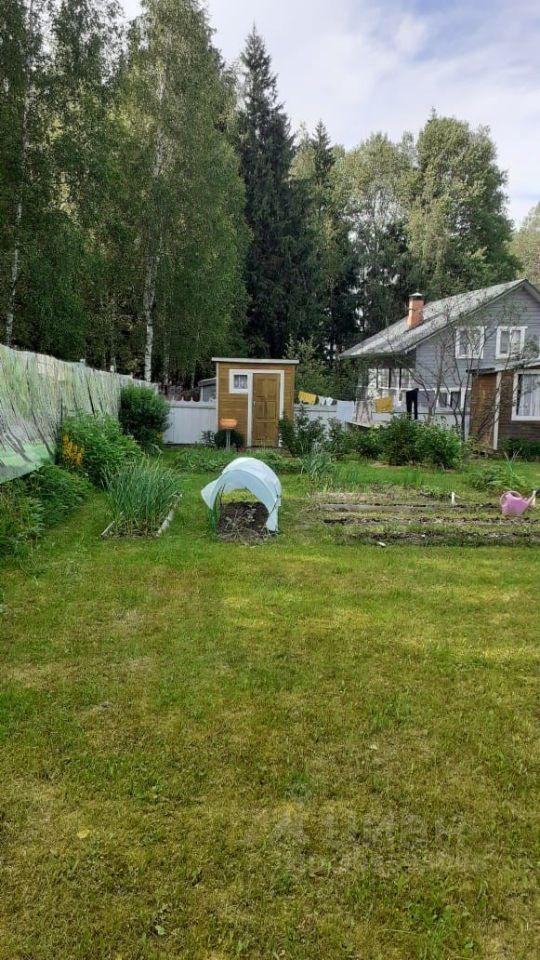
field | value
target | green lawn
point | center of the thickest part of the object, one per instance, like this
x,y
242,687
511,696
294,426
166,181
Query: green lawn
x,y
304,749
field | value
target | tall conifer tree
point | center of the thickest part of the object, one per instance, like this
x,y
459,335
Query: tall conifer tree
x,y
281,265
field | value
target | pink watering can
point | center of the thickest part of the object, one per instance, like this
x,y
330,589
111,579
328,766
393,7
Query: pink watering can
x,y
513,504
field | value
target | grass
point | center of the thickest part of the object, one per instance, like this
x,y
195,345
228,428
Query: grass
x,y
300,750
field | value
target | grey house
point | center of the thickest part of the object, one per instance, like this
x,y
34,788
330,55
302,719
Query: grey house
x,y
426,363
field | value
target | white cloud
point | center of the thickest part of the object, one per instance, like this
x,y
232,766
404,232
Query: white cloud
x,y
363,65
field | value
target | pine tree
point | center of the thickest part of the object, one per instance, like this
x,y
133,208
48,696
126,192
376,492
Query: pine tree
x,y
281,265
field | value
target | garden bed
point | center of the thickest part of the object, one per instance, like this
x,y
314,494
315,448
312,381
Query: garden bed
x,y
416,517
243,521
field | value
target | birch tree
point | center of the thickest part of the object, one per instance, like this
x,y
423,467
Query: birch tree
x,y
21,48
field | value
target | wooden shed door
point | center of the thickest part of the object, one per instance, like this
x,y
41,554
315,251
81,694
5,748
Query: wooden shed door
x,y
265,410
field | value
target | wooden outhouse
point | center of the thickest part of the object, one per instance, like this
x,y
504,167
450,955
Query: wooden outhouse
x,y
257,394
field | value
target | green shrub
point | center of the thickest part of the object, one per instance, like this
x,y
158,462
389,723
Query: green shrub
x,y
438,445
498,477
302,435
340,439
236,439
524,449
140,497
399,441
21,518
95,446
368,442
58,490
144,415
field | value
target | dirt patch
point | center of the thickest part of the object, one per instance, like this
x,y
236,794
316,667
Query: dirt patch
x,y
242,521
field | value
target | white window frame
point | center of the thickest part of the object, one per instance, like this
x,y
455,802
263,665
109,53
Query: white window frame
x,y
448,391
519,416
470,356
500,355
242,391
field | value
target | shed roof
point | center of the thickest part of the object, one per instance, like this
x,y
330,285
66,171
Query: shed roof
x,y
400,338
252,360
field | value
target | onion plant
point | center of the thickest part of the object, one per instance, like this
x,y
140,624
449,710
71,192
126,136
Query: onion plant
x,y
140,496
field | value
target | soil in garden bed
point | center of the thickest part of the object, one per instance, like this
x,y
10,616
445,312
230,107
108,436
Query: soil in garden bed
x,y
242,521
417,518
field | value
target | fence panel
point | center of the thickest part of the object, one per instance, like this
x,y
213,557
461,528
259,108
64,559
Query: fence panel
x,y
188,420
36,393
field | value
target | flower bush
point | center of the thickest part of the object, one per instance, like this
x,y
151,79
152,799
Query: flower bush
x,y
95,446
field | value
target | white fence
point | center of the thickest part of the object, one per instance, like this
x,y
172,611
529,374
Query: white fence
x,y
188,419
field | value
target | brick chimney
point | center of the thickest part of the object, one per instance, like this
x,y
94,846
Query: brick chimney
x,y
416,310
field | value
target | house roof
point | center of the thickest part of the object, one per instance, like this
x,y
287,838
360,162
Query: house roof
x,y
518,364
400,338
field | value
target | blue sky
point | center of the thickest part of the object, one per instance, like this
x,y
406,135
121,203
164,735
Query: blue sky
x,y
367,65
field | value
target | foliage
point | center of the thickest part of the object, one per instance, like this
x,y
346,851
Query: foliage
x,y
438,445
368,442
371,177
59,491
206,460
316,464
282,274
456,218
95,445
21,518
140,497
340,439
144,415
301,435
335,324
202,459
498,476
109,177
279,462
526,245
399,440
523,449
236,439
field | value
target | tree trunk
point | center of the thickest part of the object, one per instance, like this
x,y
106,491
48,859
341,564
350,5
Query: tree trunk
x,y
16,256
149,300
154,246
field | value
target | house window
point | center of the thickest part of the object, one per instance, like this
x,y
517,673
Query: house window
x,y
238,382
510,342
470,343
527,396
451,399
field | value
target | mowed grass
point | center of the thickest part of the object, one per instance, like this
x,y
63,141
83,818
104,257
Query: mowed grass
x,y
298,750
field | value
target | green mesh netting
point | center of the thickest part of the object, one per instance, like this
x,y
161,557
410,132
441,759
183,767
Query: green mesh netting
x,y
36,393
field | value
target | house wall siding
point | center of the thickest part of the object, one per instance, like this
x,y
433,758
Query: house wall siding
x,y
518,308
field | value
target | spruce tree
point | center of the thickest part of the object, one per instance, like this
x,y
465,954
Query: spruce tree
x,y
281,265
